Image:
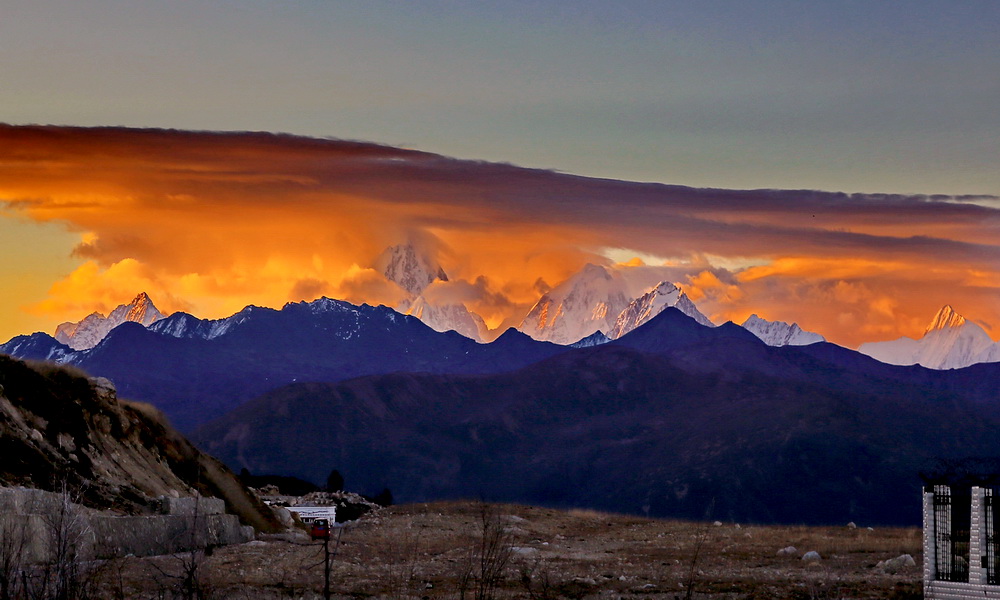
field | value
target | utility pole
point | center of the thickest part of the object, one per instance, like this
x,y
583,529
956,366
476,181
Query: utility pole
x,y
326,566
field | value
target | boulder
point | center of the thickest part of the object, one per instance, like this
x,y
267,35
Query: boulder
x,y
894,565
788,551
811,556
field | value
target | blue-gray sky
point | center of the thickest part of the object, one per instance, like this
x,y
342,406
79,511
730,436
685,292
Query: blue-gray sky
x,y
846,96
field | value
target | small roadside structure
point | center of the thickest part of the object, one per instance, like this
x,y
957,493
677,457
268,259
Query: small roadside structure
x,y
961,542
308,514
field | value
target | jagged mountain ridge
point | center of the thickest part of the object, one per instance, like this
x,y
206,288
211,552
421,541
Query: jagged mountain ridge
x,y
88,332
779,333
652,303
665,418
195,370
949,342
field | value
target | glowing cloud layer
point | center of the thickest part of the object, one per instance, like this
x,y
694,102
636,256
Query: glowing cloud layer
x,y
209,222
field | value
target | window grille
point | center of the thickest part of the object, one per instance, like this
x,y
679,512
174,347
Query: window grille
x,y
952,521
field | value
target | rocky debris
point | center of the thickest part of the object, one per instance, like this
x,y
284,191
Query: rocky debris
x,y
63,431
788,551
283,515
350,506
46,522
894,565
191,507
811,556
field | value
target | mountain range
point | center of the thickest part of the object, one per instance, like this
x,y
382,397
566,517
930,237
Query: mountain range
x,y
643,406
93,328
667,420
949,342
195,369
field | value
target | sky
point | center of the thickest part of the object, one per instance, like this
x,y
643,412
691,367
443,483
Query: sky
x,y
890,106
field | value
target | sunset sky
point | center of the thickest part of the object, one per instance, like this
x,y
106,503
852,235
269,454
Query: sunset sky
x,y
890,109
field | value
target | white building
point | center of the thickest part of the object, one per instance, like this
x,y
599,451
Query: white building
x,y
961,559
307,514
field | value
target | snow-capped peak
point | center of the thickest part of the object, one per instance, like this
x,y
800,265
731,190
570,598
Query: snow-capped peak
x,y
949,342
407,268
588,301
945,318
447,317
779,333
89,332
652,303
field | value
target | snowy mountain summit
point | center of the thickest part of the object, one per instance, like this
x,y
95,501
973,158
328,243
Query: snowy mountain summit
x,y
91,330
652,303
949,342
589,301
779,333
447,317
408,269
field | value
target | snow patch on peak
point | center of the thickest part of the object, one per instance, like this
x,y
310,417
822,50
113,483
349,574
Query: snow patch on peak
x,y
447,317
89,332
588,301
323,305
779,333
653,302
408,269
595,339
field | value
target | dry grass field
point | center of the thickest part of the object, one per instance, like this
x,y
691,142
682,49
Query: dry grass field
x,y
434,551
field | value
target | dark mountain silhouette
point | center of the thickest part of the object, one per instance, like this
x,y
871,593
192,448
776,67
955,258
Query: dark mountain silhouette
x,y
668,420
195,370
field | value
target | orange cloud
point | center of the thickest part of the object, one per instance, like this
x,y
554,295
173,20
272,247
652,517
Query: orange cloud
x,y
209,222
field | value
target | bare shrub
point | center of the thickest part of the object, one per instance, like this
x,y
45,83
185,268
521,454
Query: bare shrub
x,y
64,575
537,581
401,559
13,548
186,580
485,565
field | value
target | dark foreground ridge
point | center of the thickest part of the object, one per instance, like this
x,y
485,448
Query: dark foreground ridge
x,y
63,432
674,419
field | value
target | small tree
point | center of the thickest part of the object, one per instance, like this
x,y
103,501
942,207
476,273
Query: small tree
x,y
383,498
334,481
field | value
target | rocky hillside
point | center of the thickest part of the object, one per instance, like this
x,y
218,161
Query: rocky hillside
x,y
59,427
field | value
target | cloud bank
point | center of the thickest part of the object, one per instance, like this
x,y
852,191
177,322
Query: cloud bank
x,y
209,222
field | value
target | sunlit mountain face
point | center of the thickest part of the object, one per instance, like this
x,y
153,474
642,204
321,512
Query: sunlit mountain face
x,y
208,223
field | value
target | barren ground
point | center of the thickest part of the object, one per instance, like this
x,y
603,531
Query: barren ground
x,y
420,551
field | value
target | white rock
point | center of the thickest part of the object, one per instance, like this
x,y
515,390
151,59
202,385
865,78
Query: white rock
x,y
788,551
894,565
811,556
